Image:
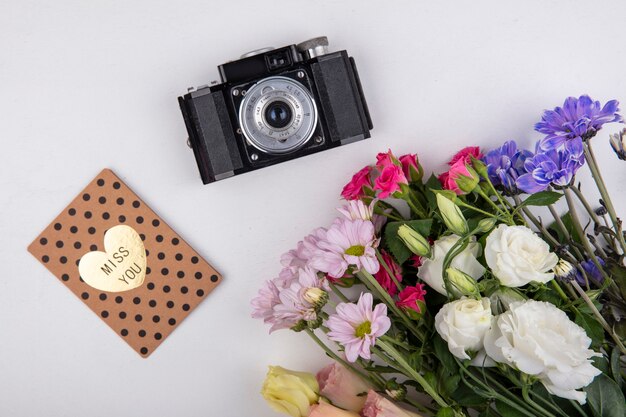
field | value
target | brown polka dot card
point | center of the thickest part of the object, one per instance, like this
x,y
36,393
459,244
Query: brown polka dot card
x,y
125,263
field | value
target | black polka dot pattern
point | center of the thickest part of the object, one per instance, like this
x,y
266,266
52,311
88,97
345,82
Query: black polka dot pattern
x,y
177,279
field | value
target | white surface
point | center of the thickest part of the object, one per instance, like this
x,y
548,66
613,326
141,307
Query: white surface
x,y
91,84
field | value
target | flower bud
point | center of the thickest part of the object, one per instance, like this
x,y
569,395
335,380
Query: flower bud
x,y
618,143
452,215
486,224
467,183
317,297
395,390
290,392
480,167
461,283
564,270
414,241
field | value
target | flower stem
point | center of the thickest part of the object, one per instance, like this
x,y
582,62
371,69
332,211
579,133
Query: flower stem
x,y
598,316
338,293
581,233
597,176
593,215
336,357
371,282
412,373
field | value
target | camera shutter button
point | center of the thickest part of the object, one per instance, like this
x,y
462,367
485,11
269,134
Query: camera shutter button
x,y
314,47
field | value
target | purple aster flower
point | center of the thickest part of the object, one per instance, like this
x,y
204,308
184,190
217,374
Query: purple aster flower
x,y
578,118
505,165
356,326
592,271
555,167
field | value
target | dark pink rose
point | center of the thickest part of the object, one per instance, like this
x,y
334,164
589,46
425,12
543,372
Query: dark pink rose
x,y
412,298
389,180
411,167
354,189
466,155
382,276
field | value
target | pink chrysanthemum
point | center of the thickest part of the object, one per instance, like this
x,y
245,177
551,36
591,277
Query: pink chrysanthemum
x,y
356,326
347,243
357,209
263,304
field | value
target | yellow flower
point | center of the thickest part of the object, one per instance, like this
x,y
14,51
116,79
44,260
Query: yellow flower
x,y
290,392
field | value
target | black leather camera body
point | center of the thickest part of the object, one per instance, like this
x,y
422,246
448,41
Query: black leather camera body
x,y
274,105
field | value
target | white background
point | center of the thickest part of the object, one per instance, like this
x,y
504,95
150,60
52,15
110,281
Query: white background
x,y
91,84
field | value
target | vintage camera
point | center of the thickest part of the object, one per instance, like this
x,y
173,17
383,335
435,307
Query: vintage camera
x,y
274,105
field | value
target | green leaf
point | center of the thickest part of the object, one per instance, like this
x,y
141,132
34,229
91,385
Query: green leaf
x,y
593,329
448,384
466,397
445,412
605,398
443,354
542,198
395,245
615,367
506,410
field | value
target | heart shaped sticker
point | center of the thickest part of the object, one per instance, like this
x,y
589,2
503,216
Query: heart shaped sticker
x,y
121,267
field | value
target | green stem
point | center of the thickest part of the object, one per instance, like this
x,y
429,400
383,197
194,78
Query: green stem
x,y
533,404
599,317
476,209
338,293
597,176
336,357
581,233
371,282
593,215
412,373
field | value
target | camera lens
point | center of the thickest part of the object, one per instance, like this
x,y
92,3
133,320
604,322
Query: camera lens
x,y
278,114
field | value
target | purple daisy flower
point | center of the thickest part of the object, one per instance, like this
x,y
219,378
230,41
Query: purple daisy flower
x,y
578,118
553,167
505,164
592,271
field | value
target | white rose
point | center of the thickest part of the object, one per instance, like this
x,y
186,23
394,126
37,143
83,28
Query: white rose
x,y
538,339
463,324
431,271
517,256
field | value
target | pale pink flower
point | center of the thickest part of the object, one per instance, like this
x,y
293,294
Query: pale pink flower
x,y
263,304
324,409
357,209
285,278
342,387
356,326
298,302
383,277
389,180
354,189
347,243
300,256
378,406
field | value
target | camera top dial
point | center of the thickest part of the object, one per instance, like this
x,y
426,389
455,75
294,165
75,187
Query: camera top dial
x,y
278,115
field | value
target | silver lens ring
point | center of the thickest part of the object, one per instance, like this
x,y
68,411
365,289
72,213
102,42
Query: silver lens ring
x,y
294,99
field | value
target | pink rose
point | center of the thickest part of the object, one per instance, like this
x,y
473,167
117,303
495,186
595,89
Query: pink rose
x,y
354,189
385,159
412,298
326,410
342,387
378,406
466,155
389,180
382,276
411,167
461,178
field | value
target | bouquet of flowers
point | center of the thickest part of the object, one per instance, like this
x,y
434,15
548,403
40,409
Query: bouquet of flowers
x,y
454,296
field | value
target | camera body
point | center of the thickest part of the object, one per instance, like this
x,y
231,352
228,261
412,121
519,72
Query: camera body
x,y
274,105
